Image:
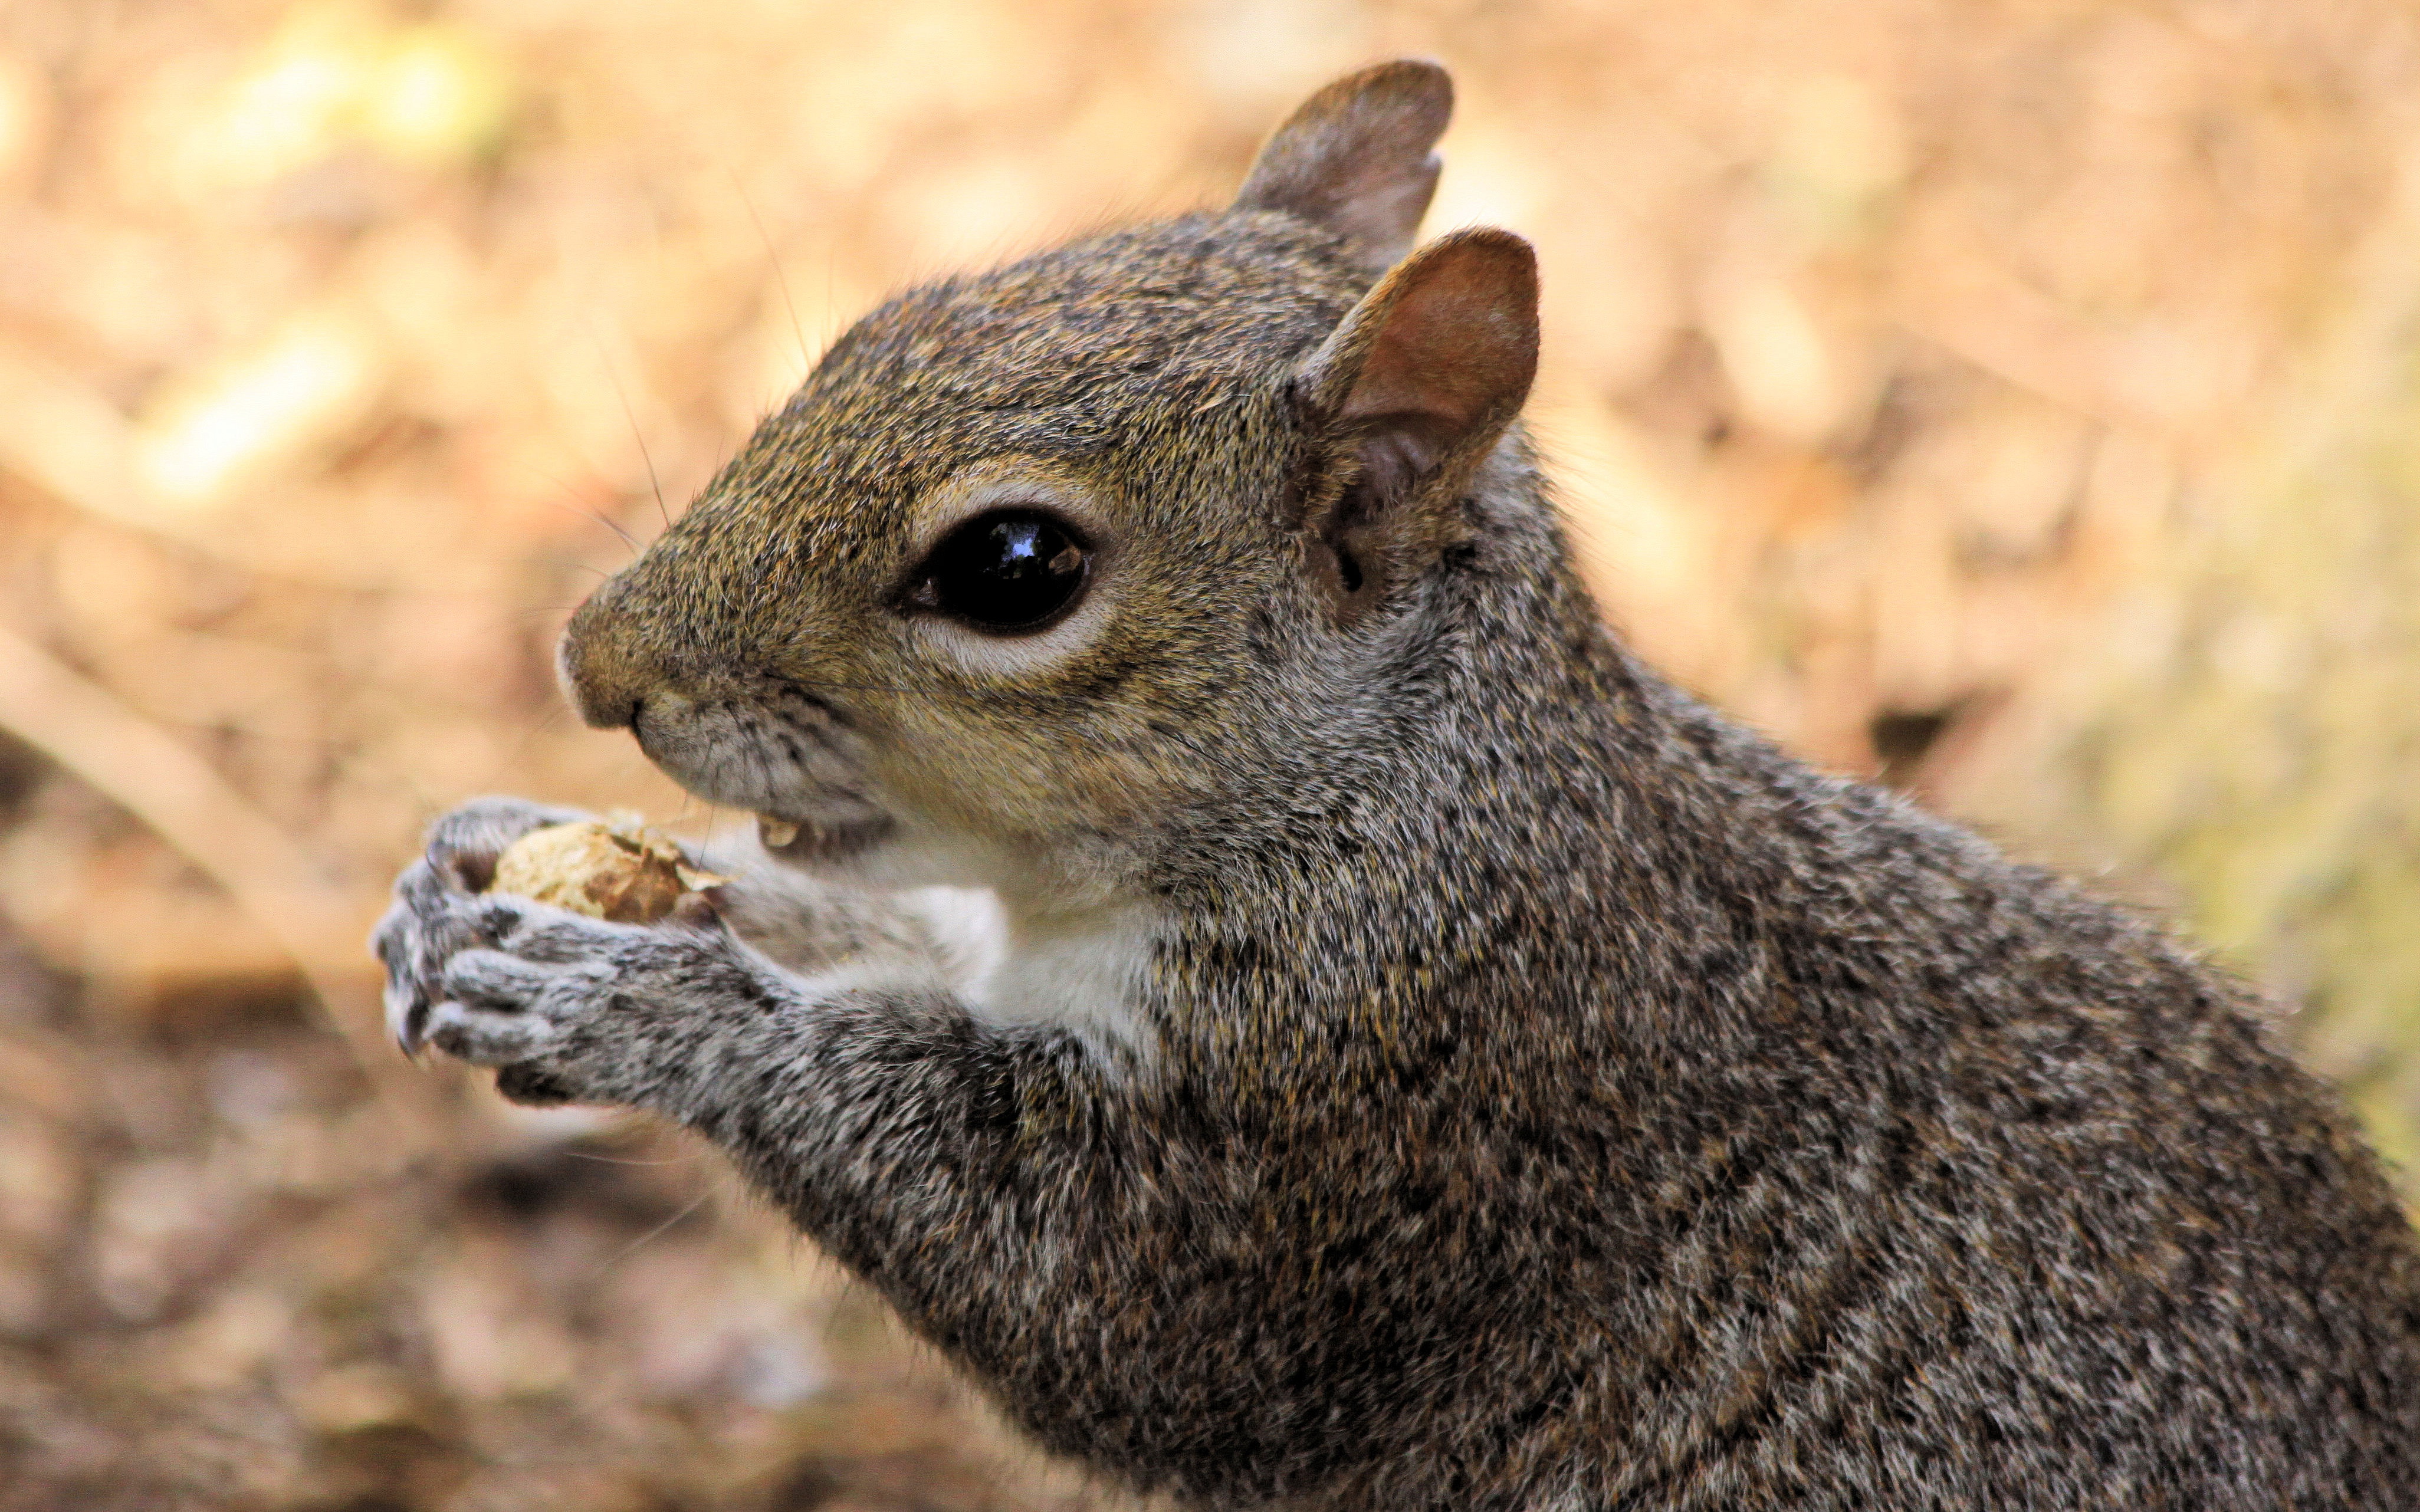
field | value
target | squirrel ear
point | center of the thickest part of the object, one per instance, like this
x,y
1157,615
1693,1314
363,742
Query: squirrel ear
x,y
1356,159
1412,391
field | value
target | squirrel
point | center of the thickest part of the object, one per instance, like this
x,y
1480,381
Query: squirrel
x,y
1246,963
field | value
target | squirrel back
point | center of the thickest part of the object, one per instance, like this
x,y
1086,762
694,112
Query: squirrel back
x,y
1426,1060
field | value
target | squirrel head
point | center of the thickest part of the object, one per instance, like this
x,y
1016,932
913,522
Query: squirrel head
x,y
1037,557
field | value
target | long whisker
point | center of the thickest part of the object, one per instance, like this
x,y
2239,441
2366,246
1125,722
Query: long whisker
x,y
513,754
609,523
606,520
632,416
650,1236
781,279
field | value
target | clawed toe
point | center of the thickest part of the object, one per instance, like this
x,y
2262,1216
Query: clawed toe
x,y
484,1036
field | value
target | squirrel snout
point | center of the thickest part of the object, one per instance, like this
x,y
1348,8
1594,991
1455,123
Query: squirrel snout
x,y
604,680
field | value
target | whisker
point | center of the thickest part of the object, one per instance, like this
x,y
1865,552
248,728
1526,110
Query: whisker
x,y
632,416
627,1250
781,278
606,520
536,727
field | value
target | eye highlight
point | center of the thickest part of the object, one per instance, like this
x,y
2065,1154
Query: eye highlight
x,y
1005,571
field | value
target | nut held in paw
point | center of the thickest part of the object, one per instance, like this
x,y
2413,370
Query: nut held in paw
x,y
615,868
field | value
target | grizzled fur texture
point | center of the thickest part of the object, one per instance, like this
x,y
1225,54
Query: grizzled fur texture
x,y
1492,1080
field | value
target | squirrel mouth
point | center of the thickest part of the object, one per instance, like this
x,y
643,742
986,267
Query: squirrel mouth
x,y
809,839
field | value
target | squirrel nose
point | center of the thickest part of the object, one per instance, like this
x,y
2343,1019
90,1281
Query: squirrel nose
x,y
606,680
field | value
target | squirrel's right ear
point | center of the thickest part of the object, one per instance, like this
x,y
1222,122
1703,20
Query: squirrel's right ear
x,y
1356,159
1408,395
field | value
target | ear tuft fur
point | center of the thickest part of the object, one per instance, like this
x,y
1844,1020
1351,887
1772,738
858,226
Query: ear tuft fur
x,y
1357,159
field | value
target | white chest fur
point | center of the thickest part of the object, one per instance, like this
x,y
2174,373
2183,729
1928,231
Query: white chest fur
x,y
1080,971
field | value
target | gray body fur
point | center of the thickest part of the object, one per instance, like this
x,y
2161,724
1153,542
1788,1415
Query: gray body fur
x,y
1540,1094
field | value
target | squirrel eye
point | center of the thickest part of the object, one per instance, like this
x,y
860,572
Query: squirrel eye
x,y
1005,571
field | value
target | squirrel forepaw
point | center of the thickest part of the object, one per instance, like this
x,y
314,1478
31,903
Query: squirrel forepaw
x,y
438,909
497,1008
572,1009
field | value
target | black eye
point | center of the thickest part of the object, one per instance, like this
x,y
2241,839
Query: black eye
x,y
1008,570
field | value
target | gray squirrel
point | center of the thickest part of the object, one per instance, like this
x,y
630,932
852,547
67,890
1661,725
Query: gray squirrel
x,y
1249,966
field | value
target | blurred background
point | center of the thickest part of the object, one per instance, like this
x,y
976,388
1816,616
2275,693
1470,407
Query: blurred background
x,y
2013,401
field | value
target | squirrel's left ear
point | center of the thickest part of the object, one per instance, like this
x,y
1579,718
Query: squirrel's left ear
x,y
1356,159
1407,396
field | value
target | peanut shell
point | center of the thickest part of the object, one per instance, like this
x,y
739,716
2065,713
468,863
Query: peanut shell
x,y
616,869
